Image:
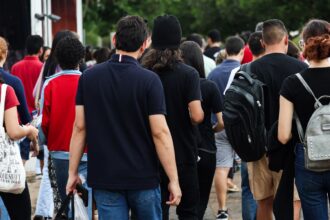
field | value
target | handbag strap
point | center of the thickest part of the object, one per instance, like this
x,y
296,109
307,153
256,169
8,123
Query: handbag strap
x,y
69,198
2,103
309,90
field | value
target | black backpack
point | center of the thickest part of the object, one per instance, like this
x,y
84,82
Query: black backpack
x,y
244,117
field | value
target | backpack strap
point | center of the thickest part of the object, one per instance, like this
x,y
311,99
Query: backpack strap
x,y
317,101
246,68
2,103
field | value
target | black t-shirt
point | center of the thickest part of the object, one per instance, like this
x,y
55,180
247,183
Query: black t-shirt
x,y
211,104
273,69
181,86
211,52
118,96
318,80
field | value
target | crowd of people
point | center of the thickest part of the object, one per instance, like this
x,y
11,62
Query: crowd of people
x,y
141,126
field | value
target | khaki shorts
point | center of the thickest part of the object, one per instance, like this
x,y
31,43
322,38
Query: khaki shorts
x,y
263,182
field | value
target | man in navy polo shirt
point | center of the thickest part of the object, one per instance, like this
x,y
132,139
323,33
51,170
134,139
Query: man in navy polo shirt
x,y
120,115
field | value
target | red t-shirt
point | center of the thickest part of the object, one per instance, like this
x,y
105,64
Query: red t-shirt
x,y
247,58
11,99
28,71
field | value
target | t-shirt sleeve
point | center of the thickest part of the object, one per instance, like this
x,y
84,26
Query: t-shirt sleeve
x,y
193,87
216,100
155,97
80,92
11,99
289,88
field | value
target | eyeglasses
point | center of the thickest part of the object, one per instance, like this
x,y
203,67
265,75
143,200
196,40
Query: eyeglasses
x,y
301,43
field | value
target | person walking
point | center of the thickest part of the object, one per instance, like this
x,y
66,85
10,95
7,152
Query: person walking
x,y
271,69
183,103
225,153
193,56
313,187
120,113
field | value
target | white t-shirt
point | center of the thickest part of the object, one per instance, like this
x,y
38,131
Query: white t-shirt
x,y
209,65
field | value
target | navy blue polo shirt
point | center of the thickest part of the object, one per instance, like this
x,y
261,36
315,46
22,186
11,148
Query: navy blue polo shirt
x,y
118,97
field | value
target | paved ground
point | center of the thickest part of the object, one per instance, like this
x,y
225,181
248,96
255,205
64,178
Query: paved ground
x,y
234,199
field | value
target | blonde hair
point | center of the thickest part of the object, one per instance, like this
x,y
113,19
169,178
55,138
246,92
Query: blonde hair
x,y
3,48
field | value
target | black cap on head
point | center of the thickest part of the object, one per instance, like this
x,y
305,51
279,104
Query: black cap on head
x,y
166,33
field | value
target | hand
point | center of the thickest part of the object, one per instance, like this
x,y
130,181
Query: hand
x,y
73,180
33,133
35,148
175,193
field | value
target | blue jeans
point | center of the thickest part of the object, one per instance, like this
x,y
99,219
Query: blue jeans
x,y
62,170
249,205
313,189
113,205
3,211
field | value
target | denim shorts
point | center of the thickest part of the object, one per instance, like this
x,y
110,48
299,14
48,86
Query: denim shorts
x,y
25,149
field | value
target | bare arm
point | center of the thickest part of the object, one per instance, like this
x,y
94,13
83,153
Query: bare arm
x,y
77,147
14,130
285,120
219,126
165,151
196,111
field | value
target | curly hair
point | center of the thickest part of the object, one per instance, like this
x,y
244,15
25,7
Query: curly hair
x,y
160,60
69,53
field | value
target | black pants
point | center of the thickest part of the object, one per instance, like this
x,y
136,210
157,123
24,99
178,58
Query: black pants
x,y
18,205
206,168
188,178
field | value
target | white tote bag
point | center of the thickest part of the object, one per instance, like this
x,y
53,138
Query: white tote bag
x,y
12,172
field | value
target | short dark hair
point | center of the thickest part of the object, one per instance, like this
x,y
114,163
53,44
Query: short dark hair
x,y
192,55
131,32
273,31
234,45
33,44
214,35
255,44
101,55
197,38
69,53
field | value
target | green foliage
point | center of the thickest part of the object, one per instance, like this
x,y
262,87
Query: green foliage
x,y
230,16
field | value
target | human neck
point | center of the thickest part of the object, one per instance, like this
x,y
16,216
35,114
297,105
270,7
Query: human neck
x,y
32,55
319,63
216,44
234,57
135,55
2,62
276,48
256,57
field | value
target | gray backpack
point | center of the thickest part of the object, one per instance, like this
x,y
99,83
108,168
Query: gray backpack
x,y
316,140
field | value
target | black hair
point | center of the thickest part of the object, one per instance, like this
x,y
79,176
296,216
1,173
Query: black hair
x,y
131,32
51,63
197,38
214,35
69,53
255,44
293,50
245,35
33,44
89,53
101,55
159,60
44,49
234,45
273,31
192,55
